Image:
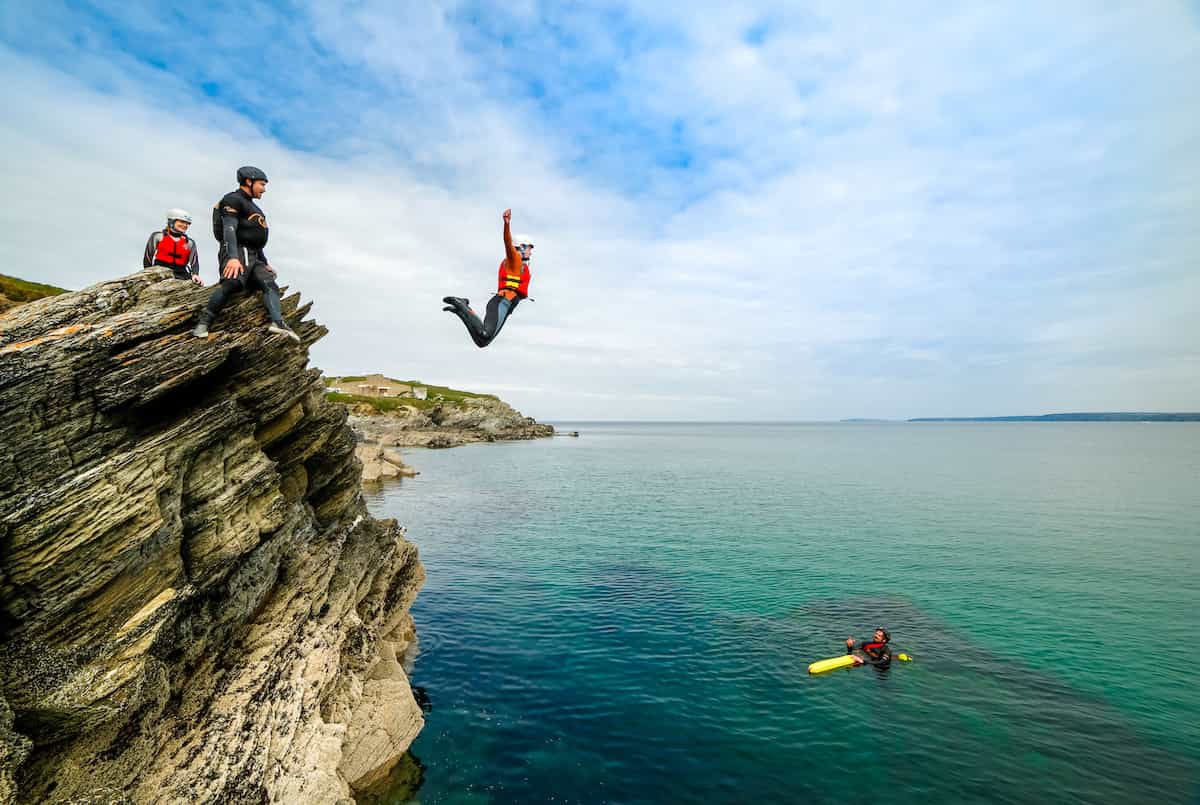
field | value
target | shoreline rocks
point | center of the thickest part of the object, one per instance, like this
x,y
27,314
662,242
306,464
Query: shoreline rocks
x,y
380,463
482,419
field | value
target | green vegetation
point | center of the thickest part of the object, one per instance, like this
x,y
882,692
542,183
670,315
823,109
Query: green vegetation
x,y
15,291
449,394
381,404
437,395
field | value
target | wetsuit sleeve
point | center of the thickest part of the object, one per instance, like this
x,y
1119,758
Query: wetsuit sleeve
x,y
229,235
232,208
193,265
151,246
884,658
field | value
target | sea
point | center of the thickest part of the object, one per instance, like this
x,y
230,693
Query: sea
x,y
628,616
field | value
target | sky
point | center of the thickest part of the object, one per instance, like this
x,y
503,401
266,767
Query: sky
x,y
759,211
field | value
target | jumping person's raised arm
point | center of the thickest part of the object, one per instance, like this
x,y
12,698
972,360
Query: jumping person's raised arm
x,y
510,251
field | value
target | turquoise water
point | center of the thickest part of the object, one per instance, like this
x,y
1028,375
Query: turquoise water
x,y
628,616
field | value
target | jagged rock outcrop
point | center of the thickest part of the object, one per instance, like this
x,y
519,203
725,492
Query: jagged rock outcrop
x,y
477,419
195,605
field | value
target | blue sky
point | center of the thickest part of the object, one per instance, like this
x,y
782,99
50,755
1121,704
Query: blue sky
x,y
777,211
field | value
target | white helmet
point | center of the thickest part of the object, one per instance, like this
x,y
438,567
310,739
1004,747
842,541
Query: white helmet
x,y
523,240
176,214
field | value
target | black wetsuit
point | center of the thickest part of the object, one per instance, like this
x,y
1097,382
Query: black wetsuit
x,y
484,332
873,652
240,226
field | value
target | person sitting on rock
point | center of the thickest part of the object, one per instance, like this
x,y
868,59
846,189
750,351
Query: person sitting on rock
x,y
514,286
171,248
240,227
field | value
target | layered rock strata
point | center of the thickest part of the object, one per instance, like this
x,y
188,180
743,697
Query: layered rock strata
x,y
195,605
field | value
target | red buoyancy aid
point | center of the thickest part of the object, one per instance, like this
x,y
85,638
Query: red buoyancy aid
x,y
511,282
172,253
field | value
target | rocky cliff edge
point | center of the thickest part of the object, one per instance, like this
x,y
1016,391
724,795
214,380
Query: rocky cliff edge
x,y
194,603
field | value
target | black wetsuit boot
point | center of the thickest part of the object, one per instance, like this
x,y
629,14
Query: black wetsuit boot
x,y
482,332
460,307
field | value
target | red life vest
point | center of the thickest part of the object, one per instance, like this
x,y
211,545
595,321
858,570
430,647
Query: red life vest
x,y
172,253
511,282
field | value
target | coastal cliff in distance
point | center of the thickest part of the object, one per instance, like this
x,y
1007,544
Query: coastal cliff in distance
x,y
194,603
440,417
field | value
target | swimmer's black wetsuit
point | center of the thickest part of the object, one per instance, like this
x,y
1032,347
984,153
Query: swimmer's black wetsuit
x,y
873,652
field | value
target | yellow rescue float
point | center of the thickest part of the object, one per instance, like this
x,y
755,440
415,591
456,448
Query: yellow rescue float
x,y
844,661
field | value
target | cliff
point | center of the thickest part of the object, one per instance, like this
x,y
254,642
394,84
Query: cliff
x,y
478,419
194,603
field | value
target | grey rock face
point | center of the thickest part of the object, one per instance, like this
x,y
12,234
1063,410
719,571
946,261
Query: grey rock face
x,y
194,604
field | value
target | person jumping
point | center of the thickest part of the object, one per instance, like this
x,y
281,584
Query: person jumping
x,y
513,287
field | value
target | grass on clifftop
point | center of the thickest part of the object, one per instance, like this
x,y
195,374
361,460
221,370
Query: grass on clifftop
x,y
436,395
382,404
15,291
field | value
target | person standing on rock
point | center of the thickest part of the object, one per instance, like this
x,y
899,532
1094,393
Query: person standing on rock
x,y
240,227
513,287
171,248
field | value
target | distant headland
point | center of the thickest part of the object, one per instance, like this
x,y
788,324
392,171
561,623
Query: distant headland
x,y
1119,416
1102,416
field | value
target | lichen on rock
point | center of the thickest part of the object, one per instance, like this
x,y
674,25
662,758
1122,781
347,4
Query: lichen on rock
x,y
194,603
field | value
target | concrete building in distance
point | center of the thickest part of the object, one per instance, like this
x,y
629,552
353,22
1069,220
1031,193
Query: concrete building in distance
x,y
379,386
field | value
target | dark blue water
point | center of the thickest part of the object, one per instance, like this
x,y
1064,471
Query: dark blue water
x,y
628,616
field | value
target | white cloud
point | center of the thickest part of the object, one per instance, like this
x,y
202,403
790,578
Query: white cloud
x,y
882,220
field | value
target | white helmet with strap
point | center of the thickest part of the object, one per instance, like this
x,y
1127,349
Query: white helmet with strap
x,y
175,214
523,244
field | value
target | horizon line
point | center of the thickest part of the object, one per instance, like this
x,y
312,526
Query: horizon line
x,y
870,420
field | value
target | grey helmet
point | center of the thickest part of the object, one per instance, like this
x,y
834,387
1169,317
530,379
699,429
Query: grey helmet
x,y
249,173
175,214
